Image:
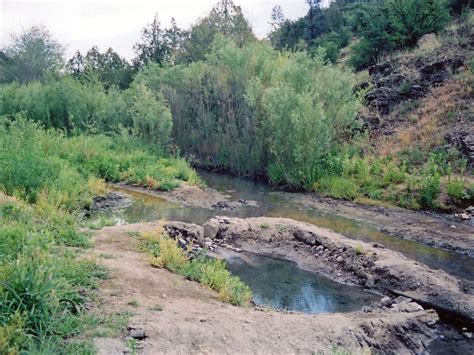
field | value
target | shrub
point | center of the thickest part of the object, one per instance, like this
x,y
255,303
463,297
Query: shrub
x,y
338,187
390,25
456,190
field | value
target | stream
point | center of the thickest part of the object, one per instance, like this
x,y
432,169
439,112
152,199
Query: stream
x,y
281,284
273,204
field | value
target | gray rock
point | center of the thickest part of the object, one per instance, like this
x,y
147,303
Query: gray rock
x,y
305,237
411,307
370,281
339,259
320,248
386,301
210,229
138,334
402,299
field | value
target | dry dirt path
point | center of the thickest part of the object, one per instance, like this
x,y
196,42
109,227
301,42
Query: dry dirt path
x,y
192,320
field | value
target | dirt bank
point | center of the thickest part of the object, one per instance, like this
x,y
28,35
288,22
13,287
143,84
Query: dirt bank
x,y
342,259
436,230
175,315
191,196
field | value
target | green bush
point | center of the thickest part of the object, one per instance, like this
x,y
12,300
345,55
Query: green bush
x,y
390,25
255,111
456,190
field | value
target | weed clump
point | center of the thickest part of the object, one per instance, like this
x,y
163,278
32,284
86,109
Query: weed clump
x,y
165,253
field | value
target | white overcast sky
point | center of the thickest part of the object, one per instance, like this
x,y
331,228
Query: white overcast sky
x,y
80,24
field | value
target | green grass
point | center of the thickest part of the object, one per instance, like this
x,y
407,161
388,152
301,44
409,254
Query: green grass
x,y
403,181
46,282
165,253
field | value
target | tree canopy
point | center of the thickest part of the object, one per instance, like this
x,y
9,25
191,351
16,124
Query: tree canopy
x,y
31,56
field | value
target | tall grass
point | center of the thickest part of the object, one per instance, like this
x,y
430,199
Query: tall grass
x,y
44,286
165,253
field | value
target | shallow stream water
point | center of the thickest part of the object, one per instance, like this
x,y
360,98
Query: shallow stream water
x,y
271,204
283,285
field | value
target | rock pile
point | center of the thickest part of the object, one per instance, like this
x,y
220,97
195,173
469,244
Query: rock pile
x,y
109,202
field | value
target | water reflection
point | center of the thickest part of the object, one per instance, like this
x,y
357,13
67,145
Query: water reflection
x,y
281,284
149,208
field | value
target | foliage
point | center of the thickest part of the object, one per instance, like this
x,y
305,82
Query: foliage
x,y
225,19
390,25
43,288
32,56
73,106
166,253
107,68
151,117
158,45
253,110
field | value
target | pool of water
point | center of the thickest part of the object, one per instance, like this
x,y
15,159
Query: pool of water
x,y
271,204
283,285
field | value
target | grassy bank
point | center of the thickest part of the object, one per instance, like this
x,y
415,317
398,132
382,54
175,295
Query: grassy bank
x,y
46,181
164,252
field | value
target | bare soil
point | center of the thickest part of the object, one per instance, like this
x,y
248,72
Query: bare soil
x,y
190,196
440,231
192,320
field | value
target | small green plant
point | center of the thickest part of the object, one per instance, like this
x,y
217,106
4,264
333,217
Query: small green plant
x,y
157,307
133,303
264,226
456,189
165,253
359,249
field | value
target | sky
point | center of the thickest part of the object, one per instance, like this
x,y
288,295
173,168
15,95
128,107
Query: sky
x,y
80,24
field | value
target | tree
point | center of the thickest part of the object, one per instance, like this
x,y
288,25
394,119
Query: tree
x,y
277,17
225,19
32,55
108,68
396,24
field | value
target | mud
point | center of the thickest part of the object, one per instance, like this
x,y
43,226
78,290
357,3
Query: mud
x,y
436,230
192,196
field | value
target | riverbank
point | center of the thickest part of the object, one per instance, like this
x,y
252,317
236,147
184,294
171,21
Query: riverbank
x,y
435,230
172,314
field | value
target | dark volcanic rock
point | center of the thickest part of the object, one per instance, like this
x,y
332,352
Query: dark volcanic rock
x,y
111,201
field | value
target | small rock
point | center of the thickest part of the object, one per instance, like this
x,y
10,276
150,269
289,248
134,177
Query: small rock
x,y
457,336
467,335
339,259
138,334
411,307
320,248
366,309
386,301
453,226
182,242
465,216
402,299
370,281
210,229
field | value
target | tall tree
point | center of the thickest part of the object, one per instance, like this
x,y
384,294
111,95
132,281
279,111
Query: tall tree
x,y
277,17
32,55
226,19
108,68
152,46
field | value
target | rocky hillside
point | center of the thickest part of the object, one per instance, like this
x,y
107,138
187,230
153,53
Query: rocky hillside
x,y
420,101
